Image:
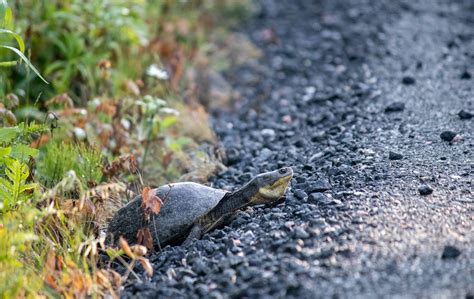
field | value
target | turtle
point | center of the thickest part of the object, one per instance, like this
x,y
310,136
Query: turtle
x,y
190,209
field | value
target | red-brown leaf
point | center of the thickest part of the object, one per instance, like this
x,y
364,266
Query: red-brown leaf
x,y
151,203
144,238
148,239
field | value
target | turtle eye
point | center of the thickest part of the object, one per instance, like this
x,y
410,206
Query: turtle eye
x,y
282,171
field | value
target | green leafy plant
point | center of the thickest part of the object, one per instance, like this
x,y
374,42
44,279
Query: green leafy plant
x,y
6,18
16,236
73,41
14,189
14,172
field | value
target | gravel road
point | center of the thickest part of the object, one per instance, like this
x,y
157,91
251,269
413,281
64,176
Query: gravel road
x,y
363,99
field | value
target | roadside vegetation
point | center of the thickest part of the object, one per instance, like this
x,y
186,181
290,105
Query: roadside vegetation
x,y
97,101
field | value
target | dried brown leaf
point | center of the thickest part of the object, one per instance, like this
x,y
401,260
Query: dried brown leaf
x,y
144,238
119,165
148,239
60,263
116,278
177,66
107,107
102,278
124,245
50,269
131,87
140,236
50,265
166,159
151,203
43,139
146,265
51,282
139,250
61,99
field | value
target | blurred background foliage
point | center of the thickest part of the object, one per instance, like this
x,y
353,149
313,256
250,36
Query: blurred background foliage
x,y
72,41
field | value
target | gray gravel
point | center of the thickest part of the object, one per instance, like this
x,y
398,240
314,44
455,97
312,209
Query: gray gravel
x,y
349,84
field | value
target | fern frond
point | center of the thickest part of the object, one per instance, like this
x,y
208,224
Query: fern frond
x,y
5,192
13,188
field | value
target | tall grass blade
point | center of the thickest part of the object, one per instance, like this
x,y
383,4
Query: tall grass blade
x,y
28,63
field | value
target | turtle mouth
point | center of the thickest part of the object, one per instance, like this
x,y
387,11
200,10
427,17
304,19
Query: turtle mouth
x,y
283,182
275,190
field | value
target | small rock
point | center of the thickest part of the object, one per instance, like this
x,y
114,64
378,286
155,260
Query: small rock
x,y
268,134
408,80
357,220
463,114
395,107
450,252
316,156
200,267
265,154
230,274
318,198
394,156
300,233
287,119
466,75
233,156
448,135
318,186
300,194
326,253
456,139
300,143
425,190
248,235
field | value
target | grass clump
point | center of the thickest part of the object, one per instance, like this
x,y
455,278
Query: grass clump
x,y
58,158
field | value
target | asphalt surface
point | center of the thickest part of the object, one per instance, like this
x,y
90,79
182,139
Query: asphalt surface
x,y
355,95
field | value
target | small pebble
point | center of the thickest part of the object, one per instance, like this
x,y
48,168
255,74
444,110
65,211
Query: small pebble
x,y
268,133
466,75
448,135
450,252
394,156
395,107
319,186
287,119
408,80
300,233
300,194
318,199
463,114
425,190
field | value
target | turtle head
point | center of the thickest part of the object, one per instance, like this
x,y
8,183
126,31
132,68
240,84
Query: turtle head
x,y
271,186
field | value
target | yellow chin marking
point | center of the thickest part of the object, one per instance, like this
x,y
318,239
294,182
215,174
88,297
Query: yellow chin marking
x,y
271,193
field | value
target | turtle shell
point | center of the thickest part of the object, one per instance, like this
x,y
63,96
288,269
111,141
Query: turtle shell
x,y
183,204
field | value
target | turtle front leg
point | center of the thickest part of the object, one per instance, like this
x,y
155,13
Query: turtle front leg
x,y
195,233
228,218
